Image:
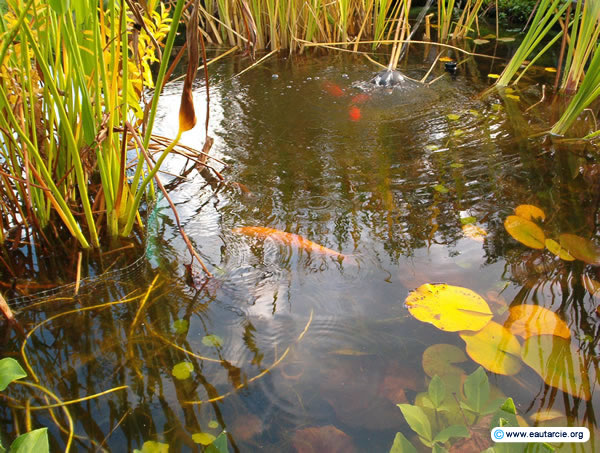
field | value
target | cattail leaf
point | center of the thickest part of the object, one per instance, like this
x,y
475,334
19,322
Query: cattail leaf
x,y
187,113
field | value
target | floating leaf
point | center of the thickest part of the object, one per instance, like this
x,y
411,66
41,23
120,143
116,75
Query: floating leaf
x,y
474,232
180,326
452,116
494,76
558,363
494,348
456,165
555,248
513,97
445,59
10,371
212,340
203,438
549,69
528,320
480,41
441,188
506,39
546,415
152,446
489,36
449,308
582,249
439,359
182,370
525,231
468,220
530,212
213,424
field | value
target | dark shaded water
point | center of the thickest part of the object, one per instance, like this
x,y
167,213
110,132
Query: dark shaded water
x,y
303,339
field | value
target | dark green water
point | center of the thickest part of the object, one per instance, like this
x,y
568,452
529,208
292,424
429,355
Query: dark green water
x,y
308,340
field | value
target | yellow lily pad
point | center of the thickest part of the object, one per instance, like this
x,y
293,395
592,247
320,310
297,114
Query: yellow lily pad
x,y
525,231
203,438
528,320
449,308
555,248
530,212
559,364
474,232
550,69
446,59
494,348
546,415
480,41
581,248
494,76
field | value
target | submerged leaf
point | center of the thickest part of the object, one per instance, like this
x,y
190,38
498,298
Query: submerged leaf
x,y
525,231
212,340
494,348
203,438
582,249
182,370
439,359
530,212
441,188
322,439
558,363
452,116
555,248
180,326
528,320
449,308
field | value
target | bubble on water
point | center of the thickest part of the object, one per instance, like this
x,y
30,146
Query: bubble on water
x,y
275,76
309,78
345,76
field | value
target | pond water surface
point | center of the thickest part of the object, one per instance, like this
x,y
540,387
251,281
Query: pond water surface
x,y
286,344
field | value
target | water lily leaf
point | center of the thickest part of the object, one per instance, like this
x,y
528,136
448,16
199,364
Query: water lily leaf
x,y
530,212
506,39
468,220
525,231
452,116
582,249
10,371
441,188
449,308
203,438
439,359
212,340
513,97
528,320
180,326
493,76
558,363
474,232
550,69
152,446
480,41
182,370
495,348
555,248
213,424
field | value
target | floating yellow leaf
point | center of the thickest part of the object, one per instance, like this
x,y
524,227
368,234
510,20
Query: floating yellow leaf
x,y
525,231
449,308
547,415
555,248
480,41
530,212
452,116
494,76
559,364
474,232
592,286
513,96
550,69
446,59
581,248
528,320
203,438
494,348
506,39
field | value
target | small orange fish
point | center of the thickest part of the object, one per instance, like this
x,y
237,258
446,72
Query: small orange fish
x,y
361,98
288,239
333,89
354,113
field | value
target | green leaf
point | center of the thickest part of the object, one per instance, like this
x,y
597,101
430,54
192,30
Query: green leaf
x,y
525,231
219,445
35,441
437,448
477,390
441,188
468,220
440,359
203,438
60,6
451,431
437,391
10,371
417,420
402,445
509,406
212,340
452,116
213,424
581,248
180,326
152,446
182,370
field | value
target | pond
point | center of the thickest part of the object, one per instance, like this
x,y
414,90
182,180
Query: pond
x,y
294,348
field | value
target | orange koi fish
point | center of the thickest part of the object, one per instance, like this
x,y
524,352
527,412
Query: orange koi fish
x,y
288,239
354,113
333,89
361,98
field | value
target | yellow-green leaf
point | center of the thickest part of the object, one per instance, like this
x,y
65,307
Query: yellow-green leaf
x,y
525,231
452,116
506,39
550,69
514,97
582,249
449,308
480,41
494,76
182,370
558,363
446,59
203,438
555,248
494,348
528,320
530,212
545,415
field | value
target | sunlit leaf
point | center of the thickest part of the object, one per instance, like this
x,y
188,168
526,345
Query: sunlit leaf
x,y
525,231
506,39
452,116
493,76
10,371
417,419
528,320
212,340
546,415
187,113
445,59
480,41
182,370
558,363
450,308
35,441
495,348
441,188
530,212
180,326
550,69
203,438
213,424
402,445
152,446
582,249
555,248
474,232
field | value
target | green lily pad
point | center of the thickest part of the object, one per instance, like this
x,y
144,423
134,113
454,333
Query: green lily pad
x,y
212,340
203,438
581,248
152,446
182,370
441,188
180,326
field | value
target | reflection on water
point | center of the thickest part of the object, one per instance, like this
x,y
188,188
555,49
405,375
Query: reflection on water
x,y
309,344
